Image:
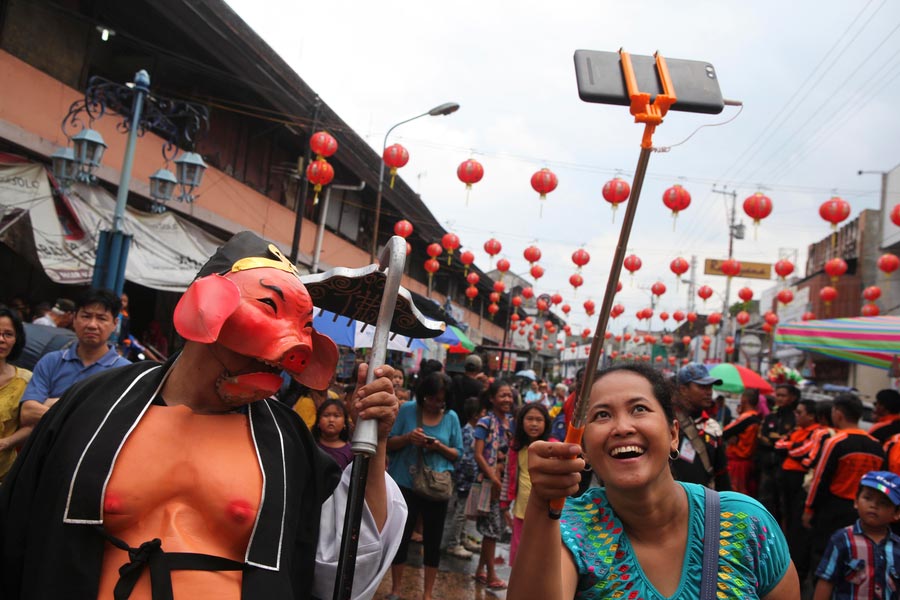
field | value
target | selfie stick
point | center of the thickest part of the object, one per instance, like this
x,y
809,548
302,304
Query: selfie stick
x,y
365,435
649,111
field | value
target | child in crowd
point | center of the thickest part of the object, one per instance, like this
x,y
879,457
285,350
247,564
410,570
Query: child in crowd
x,y
861,561
398,379
532,424
466,469
331,432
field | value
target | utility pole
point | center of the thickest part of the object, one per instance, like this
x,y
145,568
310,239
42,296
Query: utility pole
x,y
734,231
692,285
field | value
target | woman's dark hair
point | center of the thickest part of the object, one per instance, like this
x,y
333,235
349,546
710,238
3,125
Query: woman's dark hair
x,y
662,388
105,298
19,344
521,438
345,433
471,407
431,385
487,396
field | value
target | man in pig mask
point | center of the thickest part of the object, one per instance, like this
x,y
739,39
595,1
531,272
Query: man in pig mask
x,y
184,479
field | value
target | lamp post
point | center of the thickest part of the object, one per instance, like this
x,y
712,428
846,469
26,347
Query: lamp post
x,y
176,121
444,109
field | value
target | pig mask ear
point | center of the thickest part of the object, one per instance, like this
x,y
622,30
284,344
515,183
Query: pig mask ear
x,y
205,306
322,362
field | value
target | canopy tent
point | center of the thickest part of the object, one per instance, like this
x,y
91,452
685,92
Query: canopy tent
x,y
458,341
166,252
873,341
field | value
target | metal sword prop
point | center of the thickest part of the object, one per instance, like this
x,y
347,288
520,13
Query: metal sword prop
x,y
356,287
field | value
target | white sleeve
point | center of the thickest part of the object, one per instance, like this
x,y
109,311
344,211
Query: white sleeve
x,y
376,549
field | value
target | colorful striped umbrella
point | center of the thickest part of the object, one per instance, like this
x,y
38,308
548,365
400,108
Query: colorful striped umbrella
x,y
735,379
873,341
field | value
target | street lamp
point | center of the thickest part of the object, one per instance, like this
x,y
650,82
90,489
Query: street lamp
x,y
178,122
443,109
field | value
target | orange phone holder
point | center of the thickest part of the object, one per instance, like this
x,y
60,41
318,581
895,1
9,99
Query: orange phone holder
x,y
645,108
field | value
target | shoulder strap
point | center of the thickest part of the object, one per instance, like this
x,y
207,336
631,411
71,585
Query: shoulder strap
x,y
690,431
712,516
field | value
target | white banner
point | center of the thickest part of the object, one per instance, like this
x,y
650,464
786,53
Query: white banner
x,y
166,250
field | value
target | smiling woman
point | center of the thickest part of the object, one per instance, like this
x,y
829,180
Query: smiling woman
x,y
653,527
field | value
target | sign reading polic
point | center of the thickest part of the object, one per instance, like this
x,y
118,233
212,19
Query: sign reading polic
x,y
752,270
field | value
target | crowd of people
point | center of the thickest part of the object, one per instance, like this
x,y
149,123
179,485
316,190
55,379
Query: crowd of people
x,y
806,499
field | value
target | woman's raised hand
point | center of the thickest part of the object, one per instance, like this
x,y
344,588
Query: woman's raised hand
x,y
555,469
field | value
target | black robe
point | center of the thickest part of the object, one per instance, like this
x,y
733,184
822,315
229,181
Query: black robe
x,y
51,501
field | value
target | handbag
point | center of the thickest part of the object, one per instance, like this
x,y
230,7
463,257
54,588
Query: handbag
x,y
428,483
431,484
478,503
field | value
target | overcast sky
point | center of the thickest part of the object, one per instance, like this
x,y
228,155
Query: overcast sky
x,y
818,81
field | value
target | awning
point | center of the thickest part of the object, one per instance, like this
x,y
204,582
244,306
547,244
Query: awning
x,y
166,251
873,341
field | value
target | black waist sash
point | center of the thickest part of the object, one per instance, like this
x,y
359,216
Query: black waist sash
x,y
161,563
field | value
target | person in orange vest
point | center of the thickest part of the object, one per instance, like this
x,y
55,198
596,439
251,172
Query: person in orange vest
x,y
887,411
740,438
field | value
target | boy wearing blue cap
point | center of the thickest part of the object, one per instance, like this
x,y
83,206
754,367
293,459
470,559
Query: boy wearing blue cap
x,y
862,560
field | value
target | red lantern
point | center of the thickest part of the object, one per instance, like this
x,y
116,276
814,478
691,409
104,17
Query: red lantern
x,y
472,293
537,271
616,191
627,336
616,310
729,339
766,327
492,247
470,172
835,268
493,309
544,182
742,318
745,294
757,207
532,254
632,263
785,296
466,258
450,242
514,318
434,250
770,318
403,228
676,199
319,173
494,297
667,339
828,294
729,350
870,310
730,267
473,278
714,318
323,144
528,293
692,317
542,305
589,307
529,320
499,287
395,157
705,292
895,215
565,308
431,266
706,340
679,266
618,286
672,360
516,301
808,316
834,211
658,288
686,340
585,333
580,257
888,263
502,266
872,293
664,316
576,281
608,335
678,316
784,267
556,299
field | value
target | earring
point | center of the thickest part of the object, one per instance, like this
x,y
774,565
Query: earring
x,y
673,455
587,464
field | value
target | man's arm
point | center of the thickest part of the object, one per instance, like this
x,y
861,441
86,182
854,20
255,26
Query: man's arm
x,y
36,399
31,412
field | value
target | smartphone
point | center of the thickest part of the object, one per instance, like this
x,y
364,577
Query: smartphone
x,y
429,439
600,79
